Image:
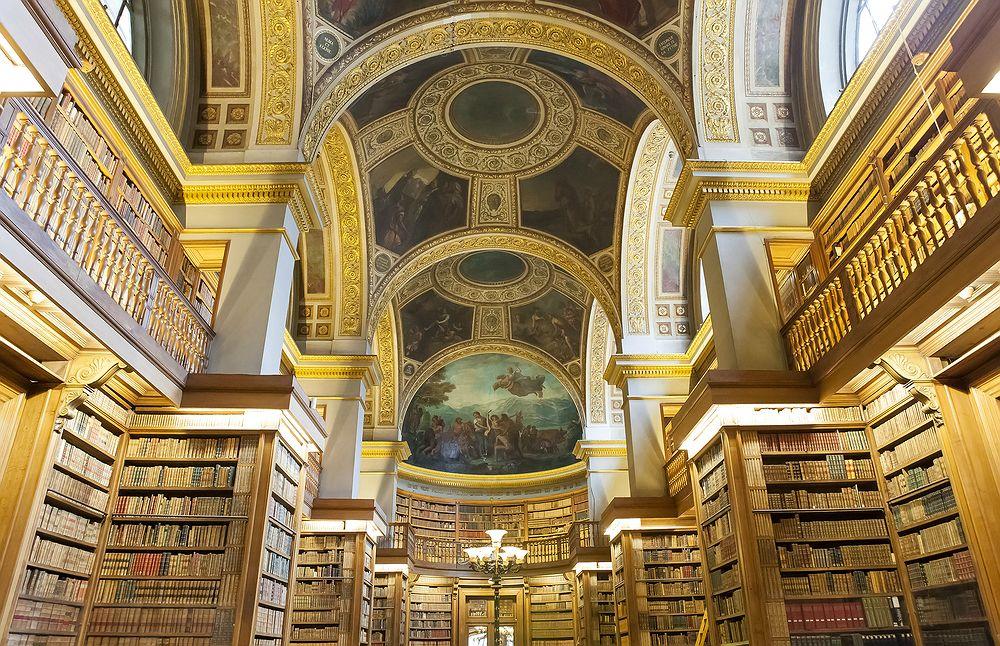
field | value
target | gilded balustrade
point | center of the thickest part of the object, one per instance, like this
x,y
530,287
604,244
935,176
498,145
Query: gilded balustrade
x,y
52,189
958,181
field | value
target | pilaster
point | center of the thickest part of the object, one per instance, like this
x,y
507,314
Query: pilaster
x,y
607,471
379,475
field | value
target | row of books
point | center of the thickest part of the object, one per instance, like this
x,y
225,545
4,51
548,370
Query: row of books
x,y
979,636
90,428
674,555
886,400
44,616
672,572
930,504
155,236
676,588
859,555
130,621
66,557
167,505
814,441
846,498
155,563
163,476
51,585
834,467
226,448
913,478
844,615
273,591
718,528
923,443
270,621
80,139
60,521
670,622
722,552
666,540
793,527
280,513
278,540
857,582
729,604
713,481
899,423
677,606
716,504
950,568
166,535
277,565
191,592
930,539
948,607
75,489
901,638
79,461
285,488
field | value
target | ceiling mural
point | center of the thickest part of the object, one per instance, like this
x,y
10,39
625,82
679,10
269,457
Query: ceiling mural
x,y
431,323
492,414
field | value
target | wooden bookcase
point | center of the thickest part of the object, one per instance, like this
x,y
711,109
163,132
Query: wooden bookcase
x,y
280,546
595,609
925,520
332,592
432,612
660,599
63,560
390,608
551,604
465,521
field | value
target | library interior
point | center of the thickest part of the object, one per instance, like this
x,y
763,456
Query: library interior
x,y
310,336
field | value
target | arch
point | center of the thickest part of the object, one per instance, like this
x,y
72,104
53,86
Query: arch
x,y
386,412
479,346
534,26
502,239
598,347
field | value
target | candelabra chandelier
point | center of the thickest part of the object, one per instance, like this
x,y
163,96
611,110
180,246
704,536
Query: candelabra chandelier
x,y
496,561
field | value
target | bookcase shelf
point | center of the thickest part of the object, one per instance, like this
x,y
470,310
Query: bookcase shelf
x,y
925,521
595,612
466,521
389,609
659,594
550,610
432,612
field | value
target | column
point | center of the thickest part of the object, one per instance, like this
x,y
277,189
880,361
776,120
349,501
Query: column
x,y
607,472
729,238
647,382
379,475
339,384
256,281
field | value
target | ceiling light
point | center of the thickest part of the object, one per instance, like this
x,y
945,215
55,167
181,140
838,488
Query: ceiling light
x,y
16,78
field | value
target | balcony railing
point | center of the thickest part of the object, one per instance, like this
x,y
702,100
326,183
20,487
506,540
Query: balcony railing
x,y
957,181
46,182
441,553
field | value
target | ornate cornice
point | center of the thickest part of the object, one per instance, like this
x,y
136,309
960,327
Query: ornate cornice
x,y
562,475
252,193
622,367
398,451
694,190
343,366
473,24
586,449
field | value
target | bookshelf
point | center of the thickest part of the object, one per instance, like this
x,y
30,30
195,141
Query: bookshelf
x,y
718,507
551,601
332,593
925,520
595,609
280,537
661,600
818,509
199,285
105,167
465,521
389,608
173,562
59,575
432,612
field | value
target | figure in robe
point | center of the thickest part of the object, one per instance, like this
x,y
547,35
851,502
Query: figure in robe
x,y
520,384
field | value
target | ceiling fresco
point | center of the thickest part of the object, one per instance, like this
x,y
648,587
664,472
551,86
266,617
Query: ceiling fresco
x,y
492,414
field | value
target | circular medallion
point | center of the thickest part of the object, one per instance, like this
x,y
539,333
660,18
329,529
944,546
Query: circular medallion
x,y
492,267
327,46
494,119
495,113
492,278
667,44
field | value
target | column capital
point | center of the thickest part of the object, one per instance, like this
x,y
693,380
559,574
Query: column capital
x,y
623,367
363,367
397,451
586,449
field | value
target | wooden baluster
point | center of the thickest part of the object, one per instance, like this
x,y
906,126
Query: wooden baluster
x,y
957,203
923,233
990,147
973,171
42,177
931,206
829,312
897,244
64,203
118,263
127,290
19,147
988,174
53,191
867,281
99,253
69,222
81,239
144,274
882,278
854,279
843,310
26,178
9,155
112,243
795,347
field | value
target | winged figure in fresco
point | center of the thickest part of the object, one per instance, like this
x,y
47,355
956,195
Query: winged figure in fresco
x,y
517,383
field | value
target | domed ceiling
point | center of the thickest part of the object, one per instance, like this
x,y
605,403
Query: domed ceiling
x,y
494,181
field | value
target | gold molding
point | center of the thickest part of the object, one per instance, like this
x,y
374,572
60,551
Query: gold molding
x,y
398,451
586,449
342,164
718,102
461,481
364,367
186,234
702,190
277,107
597,342
386,350
502,24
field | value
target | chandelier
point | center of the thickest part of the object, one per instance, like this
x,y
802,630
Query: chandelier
x,y
496,561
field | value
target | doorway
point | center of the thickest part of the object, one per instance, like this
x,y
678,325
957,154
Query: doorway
x,y
476,613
